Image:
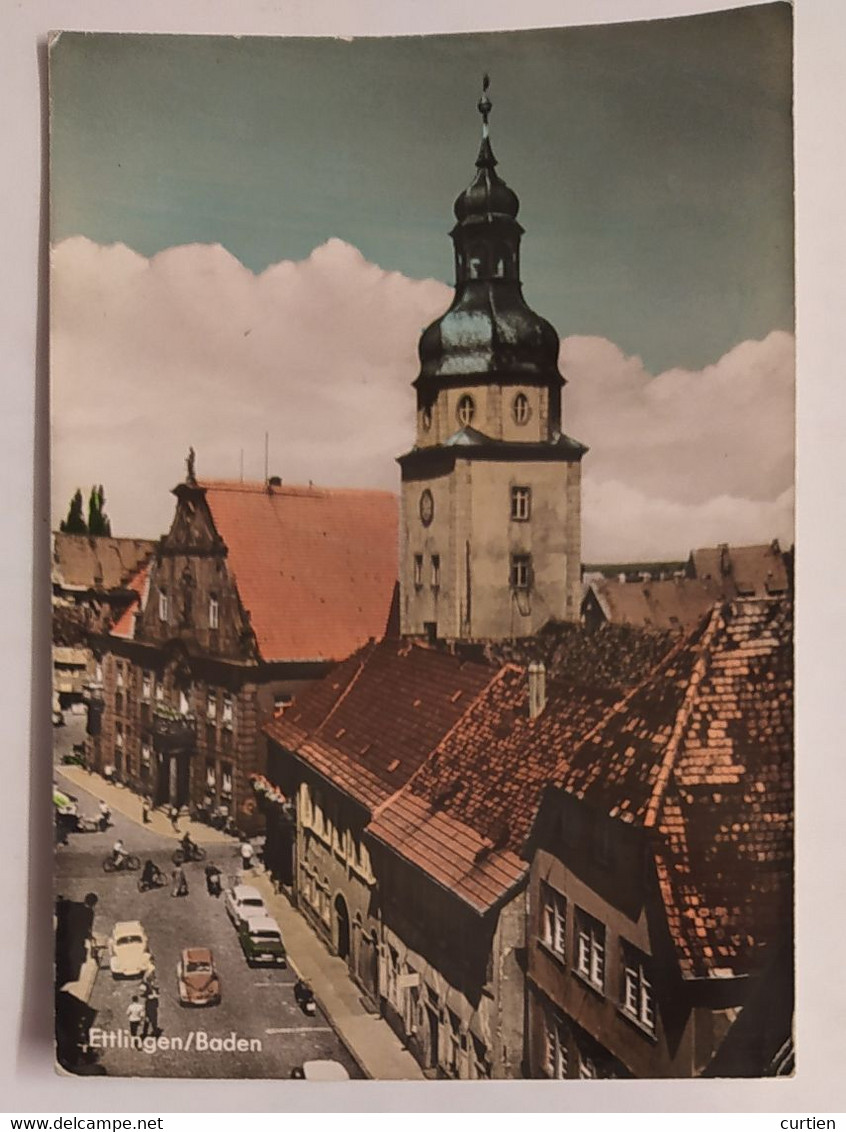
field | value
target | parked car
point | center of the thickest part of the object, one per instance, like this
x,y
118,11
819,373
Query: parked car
x,y
197,980
261,941
324,1070
241,901
129,950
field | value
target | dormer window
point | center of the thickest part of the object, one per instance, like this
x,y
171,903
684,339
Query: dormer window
x,y
164,606
214,612
466,410
521,409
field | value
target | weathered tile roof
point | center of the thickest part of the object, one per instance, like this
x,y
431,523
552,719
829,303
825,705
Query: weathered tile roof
x,y
701,754
742,571
465,815
315,567
369,724
612,656
102,563
675,604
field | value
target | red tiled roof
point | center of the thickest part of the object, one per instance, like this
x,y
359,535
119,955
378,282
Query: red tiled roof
x,y
97,562
371,722
702,754
465,815
315,567
140,584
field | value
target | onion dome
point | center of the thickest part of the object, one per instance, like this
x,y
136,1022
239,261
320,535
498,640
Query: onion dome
x,y
489,332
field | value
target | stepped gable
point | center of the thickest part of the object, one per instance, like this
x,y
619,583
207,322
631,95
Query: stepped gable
x,y
101,563
465,815
701,755
315,567
371,722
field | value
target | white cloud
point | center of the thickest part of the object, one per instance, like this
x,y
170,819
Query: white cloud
x,y
190,348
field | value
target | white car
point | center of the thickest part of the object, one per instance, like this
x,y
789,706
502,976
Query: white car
x,y
129,950
324,1071
242,901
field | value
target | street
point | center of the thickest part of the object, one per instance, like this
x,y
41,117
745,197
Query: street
x,y
257,1005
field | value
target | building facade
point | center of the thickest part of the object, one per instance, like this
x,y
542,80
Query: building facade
x,y
660,894
256,591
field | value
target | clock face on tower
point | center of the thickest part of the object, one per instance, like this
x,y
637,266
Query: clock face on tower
x,y
427,508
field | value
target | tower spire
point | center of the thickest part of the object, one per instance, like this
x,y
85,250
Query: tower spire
x,y
485,104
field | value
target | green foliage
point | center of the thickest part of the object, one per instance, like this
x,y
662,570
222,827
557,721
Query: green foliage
x,y
98,520
75,522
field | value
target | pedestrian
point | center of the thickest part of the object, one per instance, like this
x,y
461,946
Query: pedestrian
x,y
213,879
105,817
180,882
246,855
145,810
151,1010
174,818
135,1013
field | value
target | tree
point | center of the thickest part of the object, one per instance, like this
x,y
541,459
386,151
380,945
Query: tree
x,y
98,520
75,522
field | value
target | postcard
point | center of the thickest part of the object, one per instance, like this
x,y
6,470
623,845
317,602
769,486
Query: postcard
x,y
422,555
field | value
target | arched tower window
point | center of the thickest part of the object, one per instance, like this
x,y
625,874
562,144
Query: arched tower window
x,y
476,261
466,410
521,409
426,419
501,261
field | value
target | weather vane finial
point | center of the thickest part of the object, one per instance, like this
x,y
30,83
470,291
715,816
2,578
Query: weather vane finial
x,y
485,104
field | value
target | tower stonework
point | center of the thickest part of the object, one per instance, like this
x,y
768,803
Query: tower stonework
x,y
491,491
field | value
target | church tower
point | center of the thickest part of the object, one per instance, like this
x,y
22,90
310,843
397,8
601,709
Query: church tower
x,y
491,491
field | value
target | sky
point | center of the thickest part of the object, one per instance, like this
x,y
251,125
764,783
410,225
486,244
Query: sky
x,y
250,234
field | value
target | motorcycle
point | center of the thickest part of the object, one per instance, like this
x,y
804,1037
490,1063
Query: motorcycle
x,y
127,864
305,997
158,880
195,853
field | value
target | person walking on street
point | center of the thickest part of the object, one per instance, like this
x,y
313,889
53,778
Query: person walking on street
x,y
213,879
135,1013
174,818
105,817
145,810
246,855
180,882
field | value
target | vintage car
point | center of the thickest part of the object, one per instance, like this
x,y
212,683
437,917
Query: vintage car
x,y
322,1070
197,980
129,950
261,941
242,901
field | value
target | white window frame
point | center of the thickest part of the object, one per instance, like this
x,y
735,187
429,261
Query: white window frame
x,y
436,571
211,705
521,503
418,571
554,920
146,753
164,606
520,572
521,409
214,612
465,410
226,714
590,949
555,1059
119,681
146,685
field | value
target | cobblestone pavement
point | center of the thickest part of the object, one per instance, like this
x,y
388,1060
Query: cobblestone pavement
x,y
257,1005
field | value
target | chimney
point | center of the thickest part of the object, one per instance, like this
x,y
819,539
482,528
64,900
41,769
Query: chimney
x,y
537,688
